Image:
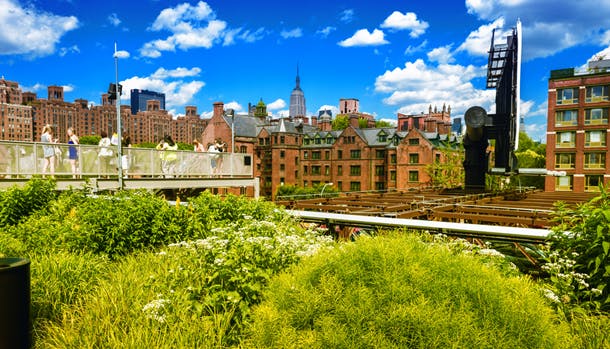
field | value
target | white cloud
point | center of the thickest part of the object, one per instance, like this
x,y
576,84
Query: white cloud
x,y
284,113
233,105
35,88
179,72
65,50
393,122
191,27
346,16
414,49
68,88
178,93
277,104
441,55
364,38
29,31
477,43
333,108
326,31
245,35
549,27
294,33
417,85
407,21
114,20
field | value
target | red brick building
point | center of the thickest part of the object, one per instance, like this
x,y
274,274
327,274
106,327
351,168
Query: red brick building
x,y
578,129
15,118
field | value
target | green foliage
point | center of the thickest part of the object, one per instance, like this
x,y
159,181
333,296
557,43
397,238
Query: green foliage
x,y
148,145
397,292
449,171
185,146
530,154
294,192
579,258
383,124
191,294
17,203
363,123
91,140
340,122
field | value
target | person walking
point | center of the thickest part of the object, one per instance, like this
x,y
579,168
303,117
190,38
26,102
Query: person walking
x,y
105,154
73,151
48,150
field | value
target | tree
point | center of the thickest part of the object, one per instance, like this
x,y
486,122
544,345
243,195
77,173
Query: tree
x,y
448,171
530,154
340,122
383,123
91,140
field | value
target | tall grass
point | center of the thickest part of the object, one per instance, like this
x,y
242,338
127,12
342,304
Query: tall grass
x,y
396,292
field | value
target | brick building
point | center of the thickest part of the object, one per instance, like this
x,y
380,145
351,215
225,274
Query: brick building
x,y
15,118
577,128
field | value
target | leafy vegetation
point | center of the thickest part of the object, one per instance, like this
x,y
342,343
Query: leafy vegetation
x,y
290,192
530,154
340,122
449,171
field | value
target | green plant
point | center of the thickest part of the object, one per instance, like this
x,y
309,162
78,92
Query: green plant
x,y
579,255
17,203
397,292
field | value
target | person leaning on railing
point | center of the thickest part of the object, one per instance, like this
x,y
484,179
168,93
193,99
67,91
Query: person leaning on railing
x,y
168,155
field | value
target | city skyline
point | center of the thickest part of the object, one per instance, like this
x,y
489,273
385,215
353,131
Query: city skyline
x,y
393,57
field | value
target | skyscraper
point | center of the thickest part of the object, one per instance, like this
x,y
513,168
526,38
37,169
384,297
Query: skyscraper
x,y
297,99
139,98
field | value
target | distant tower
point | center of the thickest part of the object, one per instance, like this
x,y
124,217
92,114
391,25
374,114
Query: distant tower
x,y
297,99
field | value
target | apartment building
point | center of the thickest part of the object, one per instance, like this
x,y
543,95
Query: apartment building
x,y
578,129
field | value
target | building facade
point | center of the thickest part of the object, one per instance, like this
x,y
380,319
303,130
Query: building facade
x,y
578,129
297,100
140,98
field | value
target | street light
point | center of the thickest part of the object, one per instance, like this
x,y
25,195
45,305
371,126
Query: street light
x,y
118,117
324,187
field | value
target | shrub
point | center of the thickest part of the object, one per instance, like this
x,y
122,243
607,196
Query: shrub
x,y
17,203
579,257
397,292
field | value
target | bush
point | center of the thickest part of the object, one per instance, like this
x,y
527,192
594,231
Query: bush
x,y
17,203
397,292
579,255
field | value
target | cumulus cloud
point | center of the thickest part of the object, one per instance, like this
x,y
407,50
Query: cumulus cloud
x,y
406,21
233,105
365,38
333,108
441,55
477,43
68,88
114,20
414,49
346,16
243,34
415,86
121,54
65,50
178,92
294,33
547,27
29,31
277,104
326,31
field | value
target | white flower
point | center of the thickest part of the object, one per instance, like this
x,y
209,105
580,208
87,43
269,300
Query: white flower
x,y
551,295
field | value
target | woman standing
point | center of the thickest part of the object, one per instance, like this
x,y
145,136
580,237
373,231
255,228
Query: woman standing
x,y
48,150
73,151
105,154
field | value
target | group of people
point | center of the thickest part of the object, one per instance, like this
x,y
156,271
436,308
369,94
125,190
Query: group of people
x,y
106,152
50,151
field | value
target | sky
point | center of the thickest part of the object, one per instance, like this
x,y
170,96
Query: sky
x,y
393,56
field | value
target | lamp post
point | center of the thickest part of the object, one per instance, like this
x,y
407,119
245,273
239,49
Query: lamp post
x,y
324,187
118,118
232,139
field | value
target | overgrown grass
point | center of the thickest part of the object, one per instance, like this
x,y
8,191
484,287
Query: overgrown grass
x,y
396,292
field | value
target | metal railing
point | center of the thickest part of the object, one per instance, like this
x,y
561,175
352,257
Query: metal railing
x,y
26,159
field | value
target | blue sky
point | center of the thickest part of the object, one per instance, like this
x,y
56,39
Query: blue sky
x,y
394,56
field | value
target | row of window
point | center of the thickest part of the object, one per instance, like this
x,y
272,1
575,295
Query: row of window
x,y
592,183
357,185
592,160
594,116
354,154
594,138
593,94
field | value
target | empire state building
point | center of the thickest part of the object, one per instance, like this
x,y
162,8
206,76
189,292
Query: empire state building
x,y
297,99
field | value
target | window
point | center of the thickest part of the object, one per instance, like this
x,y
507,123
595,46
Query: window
x,y
596,94
393,158
318,140
304,169
339,170
261,141
567,96
296,174
305,184
282,167
282,139
595,139
327,155
327,170
339,154
315,155
564,160
592,182
392,175
305,155
282,154
413,176
340,186
306,141
414,158
354,154
354,170
243,149
413,141
296,160
566,118
354,186
379,170
382,138
566,139
315,170
282,180
379,186
597,116
595,160
563,183
380,154
329,139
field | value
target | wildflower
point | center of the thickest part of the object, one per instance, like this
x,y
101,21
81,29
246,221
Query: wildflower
x,y
155,310
596,291
551,295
